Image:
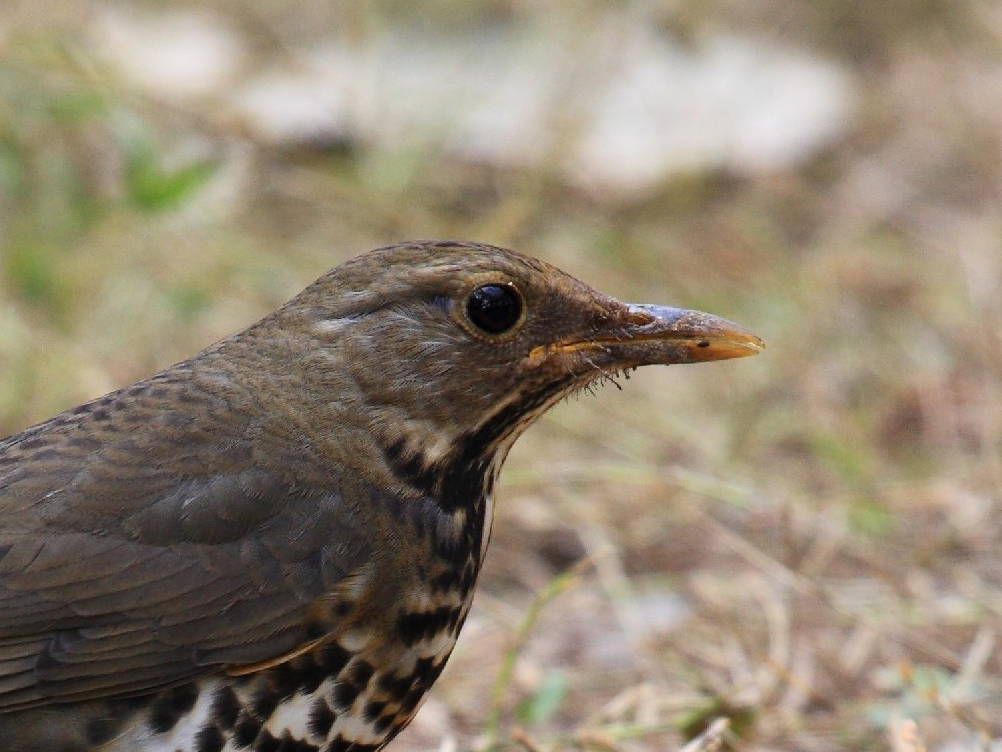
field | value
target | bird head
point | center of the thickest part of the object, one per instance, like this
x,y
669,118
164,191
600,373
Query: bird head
x,y
445,352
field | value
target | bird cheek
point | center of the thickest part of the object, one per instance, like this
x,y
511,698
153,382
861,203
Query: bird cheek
x,y
547,363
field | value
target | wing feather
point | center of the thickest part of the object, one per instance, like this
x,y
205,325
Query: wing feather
x,y
139,550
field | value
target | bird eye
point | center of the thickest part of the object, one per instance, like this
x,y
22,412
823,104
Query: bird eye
x,y
494,308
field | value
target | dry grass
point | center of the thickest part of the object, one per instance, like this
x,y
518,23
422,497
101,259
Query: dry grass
x,y
805,544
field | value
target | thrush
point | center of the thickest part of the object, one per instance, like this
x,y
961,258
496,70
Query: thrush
x,y
273,545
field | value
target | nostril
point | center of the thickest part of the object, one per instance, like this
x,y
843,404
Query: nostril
x,y
639,317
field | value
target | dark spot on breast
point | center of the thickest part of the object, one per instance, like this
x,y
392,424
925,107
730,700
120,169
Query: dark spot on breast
x,y
321,718
445,581
410,628
463,483
284,680
311,672
360,673
265,742
373,710
425,673
382,723
394,686
209,739
463,476
168,708
225,707
345,694
410,468
350,685
264,702
410,700
333,658
246,730
468,578
338,744
414,626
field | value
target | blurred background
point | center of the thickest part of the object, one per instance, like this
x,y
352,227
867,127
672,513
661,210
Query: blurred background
x,y
805,543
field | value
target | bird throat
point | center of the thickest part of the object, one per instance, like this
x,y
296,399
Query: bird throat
x,y
463,475
460,483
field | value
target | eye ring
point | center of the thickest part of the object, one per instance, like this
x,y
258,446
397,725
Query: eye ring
x,y
494,308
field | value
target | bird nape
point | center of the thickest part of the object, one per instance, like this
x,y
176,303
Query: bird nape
x,y
274,544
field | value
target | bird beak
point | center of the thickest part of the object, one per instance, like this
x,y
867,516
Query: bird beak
x,y
700,336
655,334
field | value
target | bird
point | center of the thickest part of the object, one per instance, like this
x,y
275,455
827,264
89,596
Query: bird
x,y
273,545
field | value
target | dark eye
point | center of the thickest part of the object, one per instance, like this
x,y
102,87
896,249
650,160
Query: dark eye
x,y
494,308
